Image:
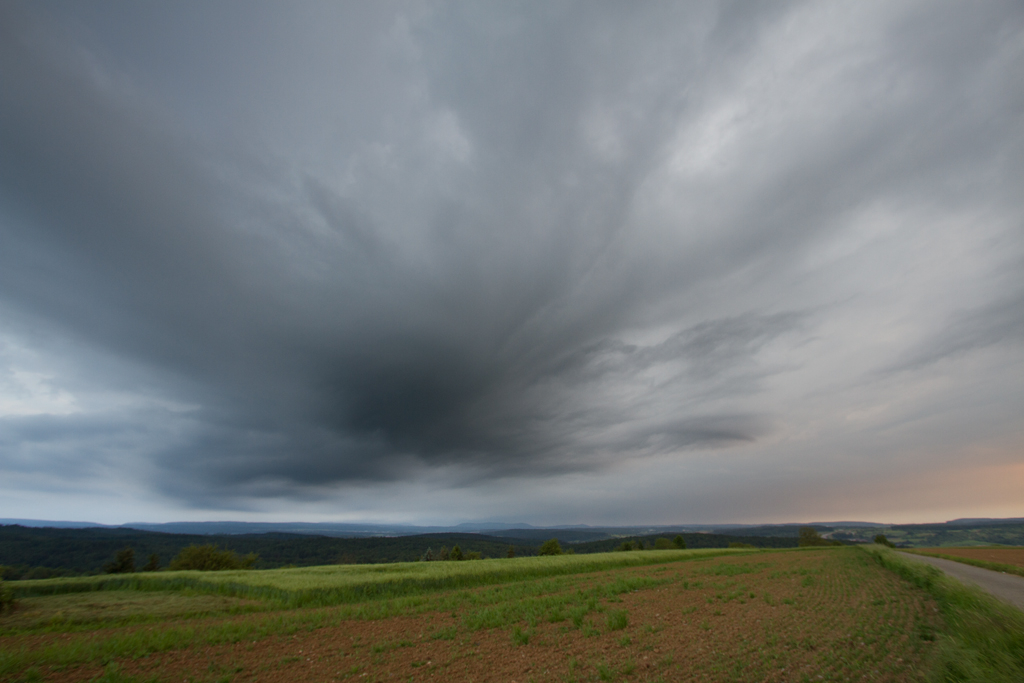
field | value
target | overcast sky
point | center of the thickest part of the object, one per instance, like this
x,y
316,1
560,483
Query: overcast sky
x,y
547,262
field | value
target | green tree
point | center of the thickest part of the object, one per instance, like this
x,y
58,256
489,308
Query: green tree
x,y
152,564
809,536
456,553
662,544
511,552
550,547
882,540
680,542
209,558
626,545
124,562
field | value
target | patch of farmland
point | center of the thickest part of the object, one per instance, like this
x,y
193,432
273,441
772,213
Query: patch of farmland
x,y
344,584
1014,556
820,614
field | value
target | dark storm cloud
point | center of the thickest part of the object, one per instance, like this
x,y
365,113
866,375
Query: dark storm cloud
x,y
504,239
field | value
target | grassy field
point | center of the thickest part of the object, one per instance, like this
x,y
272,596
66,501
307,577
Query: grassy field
x,y
340,584
812,614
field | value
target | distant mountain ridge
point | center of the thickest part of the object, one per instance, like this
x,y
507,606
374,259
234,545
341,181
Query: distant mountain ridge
x,y
572,533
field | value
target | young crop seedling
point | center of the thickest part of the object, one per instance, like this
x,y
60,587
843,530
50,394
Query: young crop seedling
x,y
617,620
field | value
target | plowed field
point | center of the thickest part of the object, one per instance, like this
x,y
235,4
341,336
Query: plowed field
x,y
822,614
1014,556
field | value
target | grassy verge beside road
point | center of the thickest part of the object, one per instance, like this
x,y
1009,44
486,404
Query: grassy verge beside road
x,y
984,638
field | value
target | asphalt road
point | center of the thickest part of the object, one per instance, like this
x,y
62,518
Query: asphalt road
x,y
1006,587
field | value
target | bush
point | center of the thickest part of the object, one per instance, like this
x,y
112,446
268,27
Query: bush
x,y
662,544
737,544
152,564
511,551
474,555
626,546
550,547
209,558
680,542
882,540
124,562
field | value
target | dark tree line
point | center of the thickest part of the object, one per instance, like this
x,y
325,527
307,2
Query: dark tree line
x,y
30,552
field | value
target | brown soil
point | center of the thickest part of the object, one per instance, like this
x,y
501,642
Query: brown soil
x,y
1014,556
812,615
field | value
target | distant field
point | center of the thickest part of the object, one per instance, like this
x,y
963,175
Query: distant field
x,y
815,614
1008,560
1014,556
341,584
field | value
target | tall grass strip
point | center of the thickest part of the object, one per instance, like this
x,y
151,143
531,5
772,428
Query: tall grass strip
x,y
984,638
344,584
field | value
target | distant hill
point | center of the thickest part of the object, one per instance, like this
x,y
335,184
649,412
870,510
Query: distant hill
x,y
538,536
84,551
40,552
50,548
50,523
699,540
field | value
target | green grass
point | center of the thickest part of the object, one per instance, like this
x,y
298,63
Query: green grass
x,y
70,612
534,603
618,620
984,564
984,638
341,584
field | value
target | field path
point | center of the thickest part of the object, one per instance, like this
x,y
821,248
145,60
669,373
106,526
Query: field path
x,y
1006,587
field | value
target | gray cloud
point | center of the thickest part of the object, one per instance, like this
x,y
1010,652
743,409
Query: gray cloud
x,y
360,246
999,322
